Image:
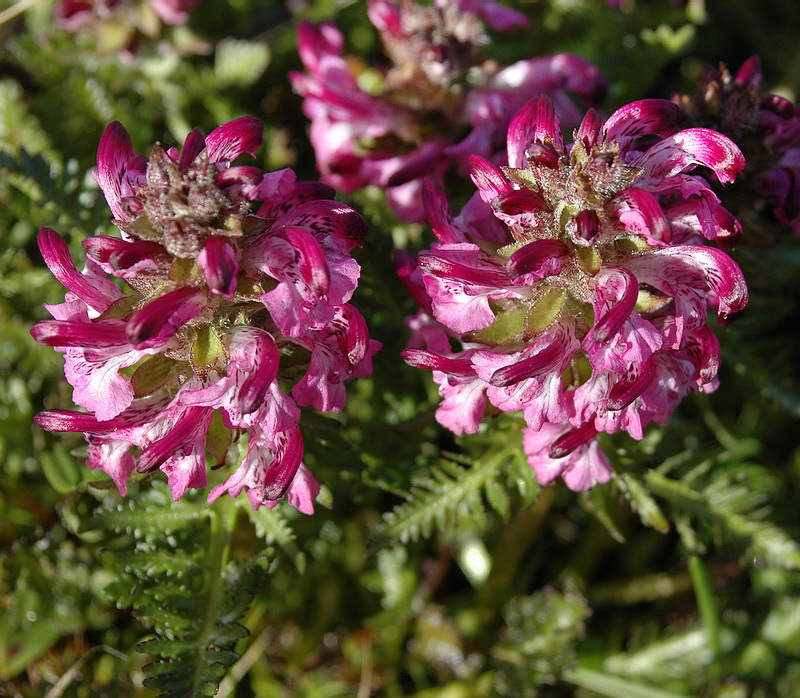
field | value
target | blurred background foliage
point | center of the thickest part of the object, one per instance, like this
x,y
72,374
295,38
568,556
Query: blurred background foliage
x,y
438,567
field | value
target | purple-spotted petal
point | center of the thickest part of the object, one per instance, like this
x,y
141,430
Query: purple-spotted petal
x,y
488,177
158,321
113,155
547,358
311,260
218,260
449,269
97,292
177,440
328,218
639,212
723,275
688,148
631,385
63,333
540,258
646,117
620,289
282,470
243,135
264,358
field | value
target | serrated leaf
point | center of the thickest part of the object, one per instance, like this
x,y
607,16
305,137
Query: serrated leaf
x,y
449,498
770,544
595,501
272,526
497,496
643,503
146,520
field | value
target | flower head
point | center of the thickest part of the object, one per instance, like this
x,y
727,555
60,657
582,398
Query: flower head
x,y
581,300
235,312
120,26
765,126
439,101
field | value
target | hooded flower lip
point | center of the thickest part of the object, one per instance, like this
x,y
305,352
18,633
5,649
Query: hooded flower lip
x,y
588,313
229,270
438,101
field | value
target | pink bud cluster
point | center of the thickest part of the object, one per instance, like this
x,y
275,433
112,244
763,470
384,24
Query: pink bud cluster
x,y
74,14
574,286
765,126
221,308
438,101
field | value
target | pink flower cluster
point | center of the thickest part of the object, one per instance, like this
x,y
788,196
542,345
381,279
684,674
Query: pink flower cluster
x,y
73,14
766,126
439,101
574,286
234,312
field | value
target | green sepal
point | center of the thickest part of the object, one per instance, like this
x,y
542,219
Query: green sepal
x,y
218,438
208,351
632,244
183,270
121,308
507,328
650,301
140,228
589,259
151,374
544,312
506,251
522,175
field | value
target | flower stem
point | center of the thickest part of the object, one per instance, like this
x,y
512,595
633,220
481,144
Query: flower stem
x,y
510,550
706,603
223,518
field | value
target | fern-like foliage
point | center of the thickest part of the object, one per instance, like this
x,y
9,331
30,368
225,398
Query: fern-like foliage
x,y
170,567
452,497
728,505
538,641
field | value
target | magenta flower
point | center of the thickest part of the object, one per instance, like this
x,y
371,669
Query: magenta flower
x,y
439,102
579,296
767,128
73,14
236,311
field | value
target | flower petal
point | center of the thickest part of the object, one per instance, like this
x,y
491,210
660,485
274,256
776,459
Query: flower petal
x,y
156,323
218,260
243,135
97,292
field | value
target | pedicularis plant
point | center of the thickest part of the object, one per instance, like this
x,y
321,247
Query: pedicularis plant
x,y
578,219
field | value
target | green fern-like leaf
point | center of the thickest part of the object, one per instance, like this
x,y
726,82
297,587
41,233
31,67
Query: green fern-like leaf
x,y
452,498
730,504
273,527
539,640
170,567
